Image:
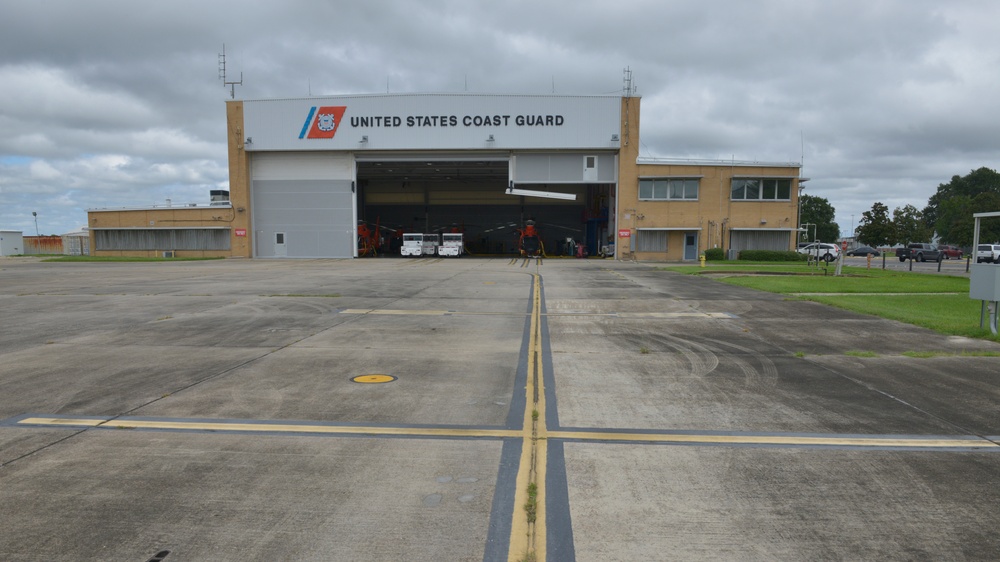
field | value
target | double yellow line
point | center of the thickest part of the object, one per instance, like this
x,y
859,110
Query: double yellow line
x,y
527,533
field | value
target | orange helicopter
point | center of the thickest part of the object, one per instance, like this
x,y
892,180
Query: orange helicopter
x,y
529,243
369,241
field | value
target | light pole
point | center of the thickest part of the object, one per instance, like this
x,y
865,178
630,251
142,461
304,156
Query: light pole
x,y
35,214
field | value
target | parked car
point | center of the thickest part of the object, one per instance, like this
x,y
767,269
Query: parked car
x,y
950,252
918,251
989,253
827,252
863,251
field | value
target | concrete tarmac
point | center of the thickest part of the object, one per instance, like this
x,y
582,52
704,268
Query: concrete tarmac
x,y
396,409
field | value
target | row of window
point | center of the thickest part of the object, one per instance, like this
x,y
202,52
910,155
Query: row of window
x,y
742,189
656,240
162,239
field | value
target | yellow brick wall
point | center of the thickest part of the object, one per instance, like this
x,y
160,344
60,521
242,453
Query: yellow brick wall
x,y
236,217
712,215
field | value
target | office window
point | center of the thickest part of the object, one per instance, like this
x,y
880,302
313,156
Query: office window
x,y
763,189
162,239
666,189
651,241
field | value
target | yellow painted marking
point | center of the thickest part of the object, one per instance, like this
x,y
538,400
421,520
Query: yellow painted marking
x,y
373,379
783,440
388,311
525,536
427,312
720,315
674,315
273,428
891,442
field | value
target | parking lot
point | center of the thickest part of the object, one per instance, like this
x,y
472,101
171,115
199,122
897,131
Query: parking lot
x,y
400,409
948,267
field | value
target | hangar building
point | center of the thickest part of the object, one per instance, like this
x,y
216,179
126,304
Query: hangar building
x,y
307,174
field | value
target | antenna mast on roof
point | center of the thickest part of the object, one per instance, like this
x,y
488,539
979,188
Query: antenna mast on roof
x,y
222,74
629,87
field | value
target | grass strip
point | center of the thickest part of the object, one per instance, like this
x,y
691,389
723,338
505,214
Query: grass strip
x,y
65,259
934,301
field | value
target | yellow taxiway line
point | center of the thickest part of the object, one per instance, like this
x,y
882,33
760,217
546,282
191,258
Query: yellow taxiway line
x,y
527,532
780,440
126,423
539,435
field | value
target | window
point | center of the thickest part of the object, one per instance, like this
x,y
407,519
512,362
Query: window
x,y
761,189
668,189
651,241
162,239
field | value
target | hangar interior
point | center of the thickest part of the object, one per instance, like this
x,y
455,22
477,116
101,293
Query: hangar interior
x,y
468,193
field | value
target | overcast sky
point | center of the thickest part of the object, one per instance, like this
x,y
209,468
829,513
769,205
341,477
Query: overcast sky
x,y
114,103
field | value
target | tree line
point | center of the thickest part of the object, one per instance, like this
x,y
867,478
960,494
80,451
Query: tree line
x,y
948,215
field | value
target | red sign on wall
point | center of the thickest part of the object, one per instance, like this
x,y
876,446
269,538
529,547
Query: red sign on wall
x,y
241,232
624,233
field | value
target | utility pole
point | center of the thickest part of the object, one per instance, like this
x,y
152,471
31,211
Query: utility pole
x,y
35,214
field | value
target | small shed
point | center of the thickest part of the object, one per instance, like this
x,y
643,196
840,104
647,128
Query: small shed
x,y
11,242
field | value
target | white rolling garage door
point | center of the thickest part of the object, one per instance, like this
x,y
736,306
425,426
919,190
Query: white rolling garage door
x,y
303,205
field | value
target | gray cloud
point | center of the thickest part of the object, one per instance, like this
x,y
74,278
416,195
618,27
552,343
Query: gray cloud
x,y
112,103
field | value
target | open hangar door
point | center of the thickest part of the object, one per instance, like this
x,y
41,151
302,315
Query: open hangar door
x,y
433,194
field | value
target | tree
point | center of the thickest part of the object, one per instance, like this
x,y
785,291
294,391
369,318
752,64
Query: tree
x,y
956,223
948,211
989,228
818,211
875,228
909,224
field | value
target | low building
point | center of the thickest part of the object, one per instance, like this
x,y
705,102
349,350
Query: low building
x,y
192,230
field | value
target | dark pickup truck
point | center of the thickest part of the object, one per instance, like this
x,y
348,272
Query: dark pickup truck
x,y
918,252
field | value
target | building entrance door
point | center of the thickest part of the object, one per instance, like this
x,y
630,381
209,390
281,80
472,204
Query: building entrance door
x,y
690,246
280,249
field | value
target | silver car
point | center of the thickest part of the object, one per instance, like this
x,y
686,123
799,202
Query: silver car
x,y
820,250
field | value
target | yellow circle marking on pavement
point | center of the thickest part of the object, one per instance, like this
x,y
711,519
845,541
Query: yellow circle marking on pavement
x,y
373,379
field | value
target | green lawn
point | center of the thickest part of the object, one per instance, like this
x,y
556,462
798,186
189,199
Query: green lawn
x,y
856,282
935,301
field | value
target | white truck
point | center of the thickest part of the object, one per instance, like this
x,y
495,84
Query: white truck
x,y
451,244
429,244
413,244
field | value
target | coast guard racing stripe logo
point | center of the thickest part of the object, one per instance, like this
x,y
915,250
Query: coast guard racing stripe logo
x,y
322,122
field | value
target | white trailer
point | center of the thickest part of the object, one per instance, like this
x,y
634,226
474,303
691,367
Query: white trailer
x,y
430,244
451,244
413,244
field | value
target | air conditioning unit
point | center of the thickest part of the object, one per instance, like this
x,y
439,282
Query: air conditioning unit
x,y
168,254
